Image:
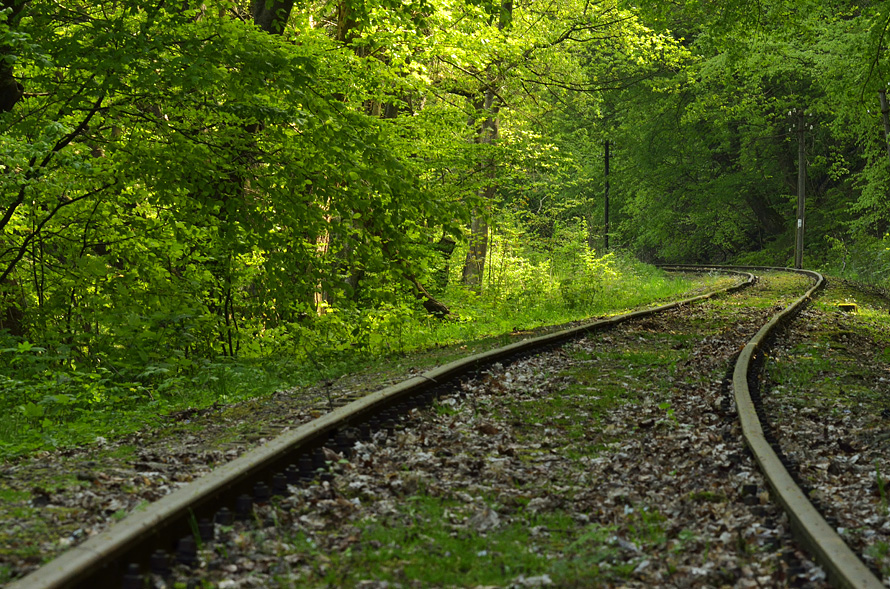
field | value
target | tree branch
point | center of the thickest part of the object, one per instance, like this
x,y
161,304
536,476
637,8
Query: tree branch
x,y
34,172
23,248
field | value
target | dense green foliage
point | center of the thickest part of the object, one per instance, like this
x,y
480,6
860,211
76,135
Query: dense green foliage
x,y
48,401
190,189
708,153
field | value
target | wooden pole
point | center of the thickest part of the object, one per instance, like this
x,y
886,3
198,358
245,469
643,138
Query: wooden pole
x,y
606,215
801,191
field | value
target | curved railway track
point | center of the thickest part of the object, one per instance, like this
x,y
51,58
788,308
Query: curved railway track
x,y
844,567
122,555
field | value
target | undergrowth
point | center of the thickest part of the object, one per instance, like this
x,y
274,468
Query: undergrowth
x,y
53,397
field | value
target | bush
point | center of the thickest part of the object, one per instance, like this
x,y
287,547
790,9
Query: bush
x,y
866,259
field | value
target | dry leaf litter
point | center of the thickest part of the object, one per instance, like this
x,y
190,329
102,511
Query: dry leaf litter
x,y
685,464
836,426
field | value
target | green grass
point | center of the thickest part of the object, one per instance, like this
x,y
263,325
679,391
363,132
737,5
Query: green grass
x,y
429,543
486,318
617,377
9,495
434,552
5,573
19,538
843,355
43,406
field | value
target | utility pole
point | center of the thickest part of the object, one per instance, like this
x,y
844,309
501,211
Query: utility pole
x,y
606,220
801,182
801,192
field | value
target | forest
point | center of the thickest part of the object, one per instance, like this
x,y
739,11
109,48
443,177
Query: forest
x,y
226,195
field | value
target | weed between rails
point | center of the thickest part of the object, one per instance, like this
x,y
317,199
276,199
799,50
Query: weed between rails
x,y
845,360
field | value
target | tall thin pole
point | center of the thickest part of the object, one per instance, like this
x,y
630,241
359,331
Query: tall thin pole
x,y
606,220
801,191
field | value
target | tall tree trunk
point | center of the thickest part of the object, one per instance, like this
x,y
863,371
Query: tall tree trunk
x,y
474,266
11,90
12,305
322,298
271,15
769,221
445,246
488,134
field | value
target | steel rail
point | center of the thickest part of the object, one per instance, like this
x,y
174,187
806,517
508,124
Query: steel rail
x,y
108,553
844,568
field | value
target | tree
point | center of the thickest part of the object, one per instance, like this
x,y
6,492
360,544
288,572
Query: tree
x,y
537,54
713,137
11,90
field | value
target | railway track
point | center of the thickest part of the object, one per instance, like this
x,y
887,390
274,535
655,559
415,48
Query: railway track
x,y
154,539
844,567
